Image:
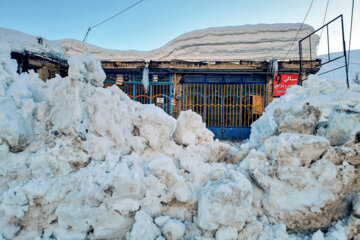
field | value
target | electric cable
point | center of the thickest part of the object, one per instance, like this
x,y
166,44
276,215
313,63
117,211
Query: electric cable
x,y
117,14
299,30
352,15
327,5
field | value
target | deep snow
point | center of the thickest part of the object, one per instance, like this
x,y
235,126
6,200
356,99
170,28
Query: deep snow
x,y
249,42
78,161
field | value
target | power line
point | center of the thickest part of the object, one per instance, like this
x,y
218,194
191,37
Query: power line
x,y
327,5
117,14
355,63
352,14
299,29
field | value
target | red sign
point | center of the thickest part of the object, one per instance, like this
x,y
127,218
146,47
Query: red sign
x,y
283,82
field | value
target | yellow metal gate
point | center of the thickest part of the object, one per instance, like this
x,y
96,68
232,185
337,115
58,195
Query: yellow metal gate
x,y
225,105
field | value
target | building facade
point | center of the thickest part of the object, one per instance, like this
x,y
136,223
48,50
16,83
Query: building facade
x,y
229,96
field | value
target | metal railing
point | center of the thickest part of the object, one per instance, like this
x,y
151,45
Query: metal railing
x,y
338,18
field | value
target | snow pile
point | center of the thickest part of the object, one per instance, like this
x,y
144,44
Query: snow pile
x,y
249,42
79,161
305,155
82,162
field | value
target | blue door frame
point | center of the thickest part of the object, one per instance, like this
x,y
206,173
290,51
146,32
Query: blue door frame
x,y
228,105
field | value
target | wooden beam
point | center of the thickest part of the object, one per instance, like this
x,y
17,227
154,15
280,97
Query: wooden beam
x,y
236,67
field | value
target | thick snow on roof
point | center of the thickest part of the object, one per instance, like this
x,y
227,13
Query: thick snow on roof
x,y
249,42
20,42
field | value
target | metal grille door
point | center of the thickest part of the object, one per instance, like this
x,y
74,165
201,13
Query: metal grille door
x,y
227,106
159,91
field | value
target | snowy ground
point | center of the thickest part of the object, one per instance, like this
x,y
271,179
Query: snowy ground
x,y
78,161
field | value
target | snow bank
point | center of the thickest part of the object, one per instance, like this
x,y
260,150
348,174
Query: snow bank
x,y
80,161
303,155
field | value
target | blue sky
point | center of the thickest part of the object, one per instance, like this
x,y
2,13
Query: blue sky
x,y
153,23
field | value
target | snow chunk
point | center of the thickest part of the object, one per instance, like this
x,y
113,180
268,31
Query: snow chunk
x,y
226,233
155,126
14,130
86,68
164,168
297,121
160,221
356,204
14,203
337,232
125,206
190,129
163,164
144,228
226,201
295,149
342,126
173,229
318,235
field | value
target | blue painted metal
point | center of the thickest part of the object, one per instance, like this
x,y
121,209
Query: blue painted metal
x,y
235,78
221,127
222,132
231,132
265,103
134,80
170,93
133,87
